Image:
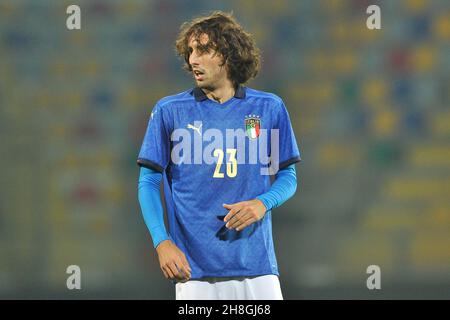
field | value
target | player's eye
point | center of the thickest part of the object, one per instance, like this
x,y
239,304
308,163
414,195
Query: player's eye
x,y
203,49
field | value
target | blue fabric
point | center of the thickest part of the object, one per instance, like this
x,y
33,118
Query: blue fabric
x,y
151,206
282,188
194,192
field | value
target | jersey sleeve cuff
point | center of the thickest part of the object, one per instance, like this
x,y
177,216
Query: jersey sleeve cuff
x,y
287,163
149,165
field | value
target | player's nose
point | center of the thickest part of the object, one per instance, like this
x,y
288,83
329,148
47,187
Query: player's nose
x,y
193,59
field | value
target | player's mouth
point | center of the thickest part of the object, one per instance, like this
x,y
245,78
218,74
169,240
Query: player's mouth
x,y
198,75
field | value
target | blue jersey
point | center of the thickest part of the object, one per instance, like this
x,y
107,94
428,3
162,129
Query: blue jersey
x,y
211,154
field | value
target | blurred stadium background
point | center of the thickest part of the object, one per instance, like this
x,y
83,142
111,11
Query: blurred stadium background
x,y
371,115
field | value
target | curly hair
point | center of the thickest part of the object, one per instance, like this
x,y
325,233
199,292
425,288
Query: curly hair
x,y
227,38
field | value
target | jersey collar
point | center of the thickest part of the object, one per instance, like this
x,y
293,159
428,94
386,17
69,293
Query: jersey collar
x,y
199,95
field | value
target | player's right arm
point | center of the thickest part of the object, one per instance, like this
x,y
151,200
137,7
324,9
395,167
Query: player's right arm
x,y
172,260
153,159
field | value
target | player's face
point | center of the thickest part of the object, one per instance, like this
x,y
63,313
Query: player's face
x,y
206,65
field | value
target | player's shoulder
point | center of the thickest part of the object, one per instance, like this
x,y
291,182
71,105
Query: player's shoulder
x,y
168,101
271,97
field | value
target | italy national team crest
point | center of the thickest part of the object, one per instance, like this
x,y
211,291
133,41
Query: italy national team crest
x,y
252,126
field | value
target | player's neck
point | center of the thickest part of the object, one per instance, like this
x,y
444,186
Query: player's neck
x,y
221,94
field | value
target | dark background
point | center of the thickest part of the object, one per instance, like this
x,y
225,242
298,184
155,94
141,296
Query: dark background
x,y
370,109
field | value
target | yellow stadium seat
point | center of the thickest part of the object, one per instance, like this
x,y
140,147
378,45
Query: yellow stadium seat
x,y
430,251
423,58
416,6
441,27
385,123
430,156
440,124
374,91
417,188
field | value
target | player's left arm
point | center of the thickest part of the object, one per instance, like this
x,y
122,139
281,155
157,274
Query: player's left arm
x,y
244,213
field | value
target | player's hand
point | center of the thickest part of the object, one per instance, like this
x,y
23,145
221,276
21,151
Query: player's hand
x,y
242,214
172,261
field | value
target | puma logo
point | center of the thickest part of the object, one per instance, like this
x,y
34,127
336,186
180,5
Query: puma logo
x,y
190,126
